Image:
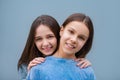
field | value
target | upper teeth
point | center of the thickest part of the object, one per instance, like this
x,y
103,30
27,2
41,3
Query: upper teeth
x,y
46,47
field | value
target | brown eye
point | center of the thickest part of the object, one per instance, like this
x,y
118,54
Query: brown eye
x,y
71,32
38,39
50,36
81,38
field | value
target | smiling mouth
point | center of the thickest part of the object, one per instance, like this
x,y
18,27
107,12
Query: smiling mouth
x,y
70,46
47,48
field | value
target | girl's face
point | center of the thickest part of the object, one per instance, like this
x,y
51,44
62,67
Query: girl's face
x,y
45,40
73,37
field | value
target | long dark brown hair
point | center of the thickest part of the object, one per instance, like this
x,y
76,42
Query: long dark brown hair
x,y
30,51
87,21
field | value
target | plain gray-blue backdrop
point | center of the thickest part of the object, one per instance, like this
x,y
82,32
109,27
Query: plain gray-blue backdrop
x,y
16,17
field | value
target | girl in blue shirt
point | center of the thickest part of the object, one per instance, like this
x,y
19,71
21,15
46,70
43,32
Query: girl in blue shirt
x,y
76,40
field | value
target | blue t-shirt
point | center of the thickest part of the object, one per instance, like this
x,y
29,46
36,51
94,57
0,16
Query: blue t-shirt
x,y
22,72
60,69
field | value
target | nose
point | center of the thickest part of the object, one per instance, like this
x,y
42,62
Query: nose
x,y
45,43
74,39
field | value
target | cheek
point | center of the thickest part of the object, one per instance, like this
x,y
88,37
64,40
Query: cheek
x,y
64,36
54,42
81,44
38,44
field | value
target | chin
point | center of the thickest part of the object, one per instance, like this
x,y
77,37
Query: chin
x,y
48,54
68,52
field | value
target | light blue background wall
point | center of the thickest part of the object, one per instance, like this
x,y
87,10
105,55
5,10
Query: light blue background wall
x,y
16,17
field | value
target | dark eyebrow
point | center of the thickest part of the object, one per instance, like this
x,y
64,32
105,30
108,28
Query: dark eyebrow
x,y
47,35
72,29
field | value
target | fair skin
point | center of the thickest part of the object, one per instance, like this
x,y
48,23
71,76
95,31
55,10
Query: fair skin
x,y
46,43
73,38
45,40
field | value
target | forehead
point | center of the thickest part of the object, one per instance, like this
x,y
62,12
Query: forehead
x,y
43,30
78,27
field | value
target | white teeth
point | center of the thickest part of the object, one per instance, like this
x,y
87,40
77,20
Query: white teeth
x,y
47,47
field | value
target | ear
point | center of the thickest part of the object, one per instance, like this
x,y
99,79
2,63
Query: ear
x,y
61,31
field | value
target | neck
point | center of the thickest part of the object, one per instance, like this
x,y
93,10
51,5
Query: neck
x,y
60,54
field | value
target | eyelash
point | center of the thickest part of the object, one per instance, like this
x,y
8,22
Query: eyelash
x,y
50,36
70,31
38,39
81,38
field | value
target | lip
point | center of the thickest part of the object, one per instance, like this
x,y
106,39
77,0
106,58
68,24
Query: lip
x,y
69,46
47,49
